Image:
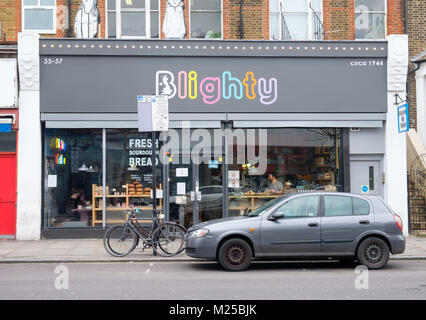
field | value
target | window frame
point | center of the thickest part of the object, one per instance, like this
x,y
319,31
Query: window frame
x,y
310,20
205,11
43,7
319,209
385,12
118,10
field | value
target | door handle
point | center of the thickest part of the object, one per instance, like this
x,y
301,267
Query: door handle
x,y
364,222
313,224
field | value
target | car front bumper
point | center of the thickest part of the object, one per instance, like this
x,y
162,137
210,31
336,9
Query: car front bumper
x,y
204,248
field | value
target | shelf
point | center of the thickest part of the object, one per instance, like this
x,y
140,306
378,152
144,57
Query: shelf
x,y
110,196
127,209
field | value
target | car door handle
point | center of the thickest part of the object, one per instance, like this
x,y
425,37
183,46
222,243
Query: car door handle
x,y
364,222
313,224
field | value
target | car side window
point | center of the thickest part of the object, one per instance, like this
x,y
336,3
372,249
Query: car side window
x,y
360,207
301,207
337,206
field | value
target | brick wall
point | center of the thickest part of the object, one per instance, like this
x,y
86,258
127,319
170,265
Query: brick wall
x,y
10,18
338,19
416,30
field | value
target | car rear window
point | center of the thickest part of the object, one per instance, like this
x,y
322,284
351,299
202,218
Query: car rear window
x,y
360,206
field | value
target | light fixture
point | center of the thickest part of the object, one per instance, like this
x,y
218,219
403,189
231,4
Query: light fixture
x,y
91,169
83,168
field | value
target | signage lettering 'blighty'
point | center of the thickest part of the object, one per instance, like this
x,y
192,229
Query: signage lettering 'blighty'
x,y
212,89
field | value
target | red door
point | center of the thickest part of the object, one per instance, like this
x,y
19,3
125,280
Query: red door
x,y
7,196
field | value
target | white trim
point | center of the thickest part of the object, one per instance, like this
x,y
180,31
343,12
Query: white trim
x,y
38,7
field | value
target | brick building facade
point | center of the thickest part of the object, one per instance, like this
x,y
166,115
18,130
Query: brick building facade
x,y
338,18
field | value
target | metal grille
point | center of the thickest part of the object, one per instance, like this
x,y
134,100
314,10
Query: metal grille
x,y
417,194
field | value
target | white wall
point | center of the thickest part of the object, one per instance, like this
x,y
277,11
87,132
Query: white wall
x,y
395,163
28,225
421,101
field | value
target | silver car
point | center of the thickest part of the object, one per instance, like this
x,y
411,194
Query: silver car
x,y
303,225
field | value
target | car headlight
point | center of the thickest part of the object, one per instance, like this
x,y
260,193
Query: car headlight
x,y
199,233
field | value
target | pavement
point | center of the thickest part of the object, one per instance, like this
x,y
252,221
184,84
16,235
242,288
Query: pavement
x,y
92,250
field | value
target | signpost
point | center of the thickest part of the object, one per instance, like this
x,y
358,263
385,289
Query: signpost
x,y
153,116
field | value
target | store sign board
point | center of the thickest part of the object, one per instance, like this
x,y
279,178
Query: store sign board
x,y
403,118
204,84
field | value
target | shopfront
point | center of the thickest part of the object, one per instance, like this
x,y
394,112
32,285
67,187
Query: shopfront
x,y
249,121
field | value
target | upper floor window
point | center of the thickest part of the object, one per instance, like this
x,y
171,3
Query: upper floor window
x,y
295,19
370,19
39,15
133,19
206,18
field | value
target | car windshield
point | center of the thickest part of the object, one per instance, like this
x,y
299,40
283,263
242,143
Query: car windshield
x,y
266,206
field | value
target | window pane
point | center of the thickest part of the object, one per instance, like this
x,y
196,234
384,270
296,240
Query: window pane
x,y
206,25
38,19
361,206
316,5
369,25
154,25
205,5
8,141
47,2
111,5
295,6
337,206
112,30
154,4
297,24
274,26
30,2
133,24
302,207
132,4
274,6
372,5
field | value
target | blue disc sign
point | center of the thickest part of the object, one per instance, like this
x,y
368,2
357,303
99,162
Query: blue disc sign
x,y
364,189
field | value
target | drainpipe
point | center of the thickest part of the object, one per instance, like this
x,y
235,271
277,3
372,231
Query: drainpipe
x,y
69,19
241,19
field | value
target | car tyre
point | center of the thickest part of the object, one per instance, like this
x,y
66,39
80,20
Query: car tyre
x,y
373,252
235,255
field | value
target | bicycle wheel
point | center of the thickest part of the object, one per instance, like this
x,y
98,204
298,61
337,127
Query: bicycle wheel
x,y
120,241
169,238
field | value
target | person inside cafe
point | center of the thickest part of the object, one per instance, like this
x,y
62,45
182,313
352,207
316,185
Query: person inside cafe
x,y
275,185
78,196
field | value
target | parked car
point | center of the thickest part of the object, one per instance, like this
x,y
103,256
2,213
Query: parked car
x,y
303,225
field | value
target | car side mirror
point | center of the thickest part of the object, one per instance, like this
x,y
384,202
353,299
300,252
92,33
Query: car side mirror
x,y
276,215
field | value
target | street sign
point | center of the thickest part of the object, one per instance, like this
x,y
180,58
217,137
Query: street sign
x,y
153,113
364,189
403,118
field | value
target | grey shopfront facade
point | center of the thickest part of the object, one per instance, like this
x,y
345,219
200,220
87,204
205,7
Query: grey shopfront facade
x,y
297,91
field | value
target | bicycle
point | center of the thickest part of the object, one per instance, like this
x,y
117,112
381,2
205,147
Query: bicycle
x,y
166,238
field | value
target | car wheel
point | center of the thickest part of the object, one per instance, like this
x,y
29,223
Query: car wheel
x,y
373,253
235,255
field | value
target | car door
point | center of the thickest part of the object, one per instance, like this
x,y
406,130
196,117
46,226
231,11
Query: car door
x,y
345,219
297,232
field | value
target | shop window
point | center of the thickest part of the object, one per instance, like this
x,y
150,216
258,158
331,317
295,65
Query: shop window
x,y
72,164
297,160
370,19
129,179
295,19
206,18
39,16
133,18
